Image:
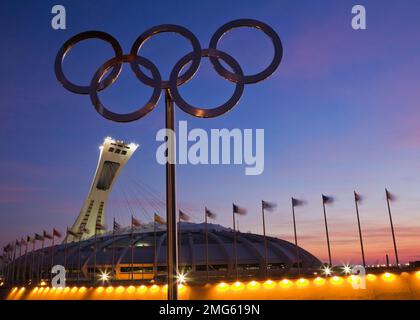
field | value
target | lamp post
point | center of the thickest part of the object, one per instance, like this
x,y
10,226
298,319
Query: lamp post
x,y
109,72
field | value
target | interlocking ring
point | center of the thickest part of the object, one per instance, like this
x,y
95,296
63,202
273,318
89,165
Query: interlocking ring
x,y
101,80
200,112
128,117
174,29
278,51
72,42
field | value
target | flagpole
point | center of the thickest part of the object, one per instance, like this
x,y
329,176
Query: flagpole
x,y
20,262
234,244
155,249
179,240
33,261
42,260
79,262
265,240
94,256
65,249
326,231
207,242
13,264
25,262
296,240
52,256
132,251
360,229
113,250
392,229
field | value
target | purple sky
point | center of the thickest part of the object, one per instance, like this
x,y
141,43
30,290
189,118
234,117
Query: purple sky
x,y
341,113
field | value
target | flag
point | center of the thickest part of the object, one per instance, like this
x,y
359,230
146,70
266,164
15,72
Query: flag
x,y
183,216
7,248
298,202
23,242
159,219
72,233
327,199
30,240
390,196
56,233
38,237
17,243
269,206
357,197
210,214
239,210
117,226
135,222
47,236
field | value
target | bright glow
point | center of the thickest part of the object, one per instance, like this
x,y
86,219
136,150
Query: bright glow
x,y
418,274
319,281
142,288
43,283
104,276
285,283
100,289
120,289
388,277
269,284
371,277
74,289
238,285
182,278
302,282
82,289
131,289
154,288
222,286
327,271
336,280
253,285
346,269
109,289
353,279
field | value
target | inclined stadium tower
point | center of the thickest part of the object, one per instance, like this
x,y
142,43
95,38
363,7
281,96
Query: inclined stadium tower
x,y
206,251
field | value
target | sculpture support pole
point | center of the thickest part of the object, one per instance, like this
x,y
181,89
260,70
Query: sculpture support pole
x,y
171,248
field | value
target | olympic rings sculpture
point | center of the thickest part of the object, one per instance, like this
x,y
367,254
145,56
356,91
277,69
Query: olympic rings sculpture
x,y
108,73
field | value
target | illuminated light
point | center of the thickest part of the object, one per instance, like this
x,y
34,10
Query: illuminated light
x,y
253,285
353,279
302,282
74,289
222,286
104,276
336,280
327,271
47,289
14,289
418,274
142,289
238,286
43,283
109,289
120,289
285,283
100,289
131,289
22,289
155,288
346,269
35,289
388,277
319,281
181,288
182,278
371,277
82,289
66,289
41,289
269,284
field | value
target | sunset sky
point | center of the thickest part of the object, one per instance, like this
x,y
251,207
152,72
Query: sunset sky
x,y
340,114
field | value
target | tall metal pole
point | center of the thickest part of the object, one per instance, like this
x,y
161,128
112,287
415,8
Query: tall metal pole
x,y
155,249
328,237
234,244
207,243
265,240
296,241
113,251
171,248
33,262
393,233
179,239
360,229
25,263
132,250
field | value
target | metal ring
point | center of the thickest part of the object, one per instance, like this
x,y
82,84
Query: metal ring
x,y
278,51
200,112
113,75
128,117
196,58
